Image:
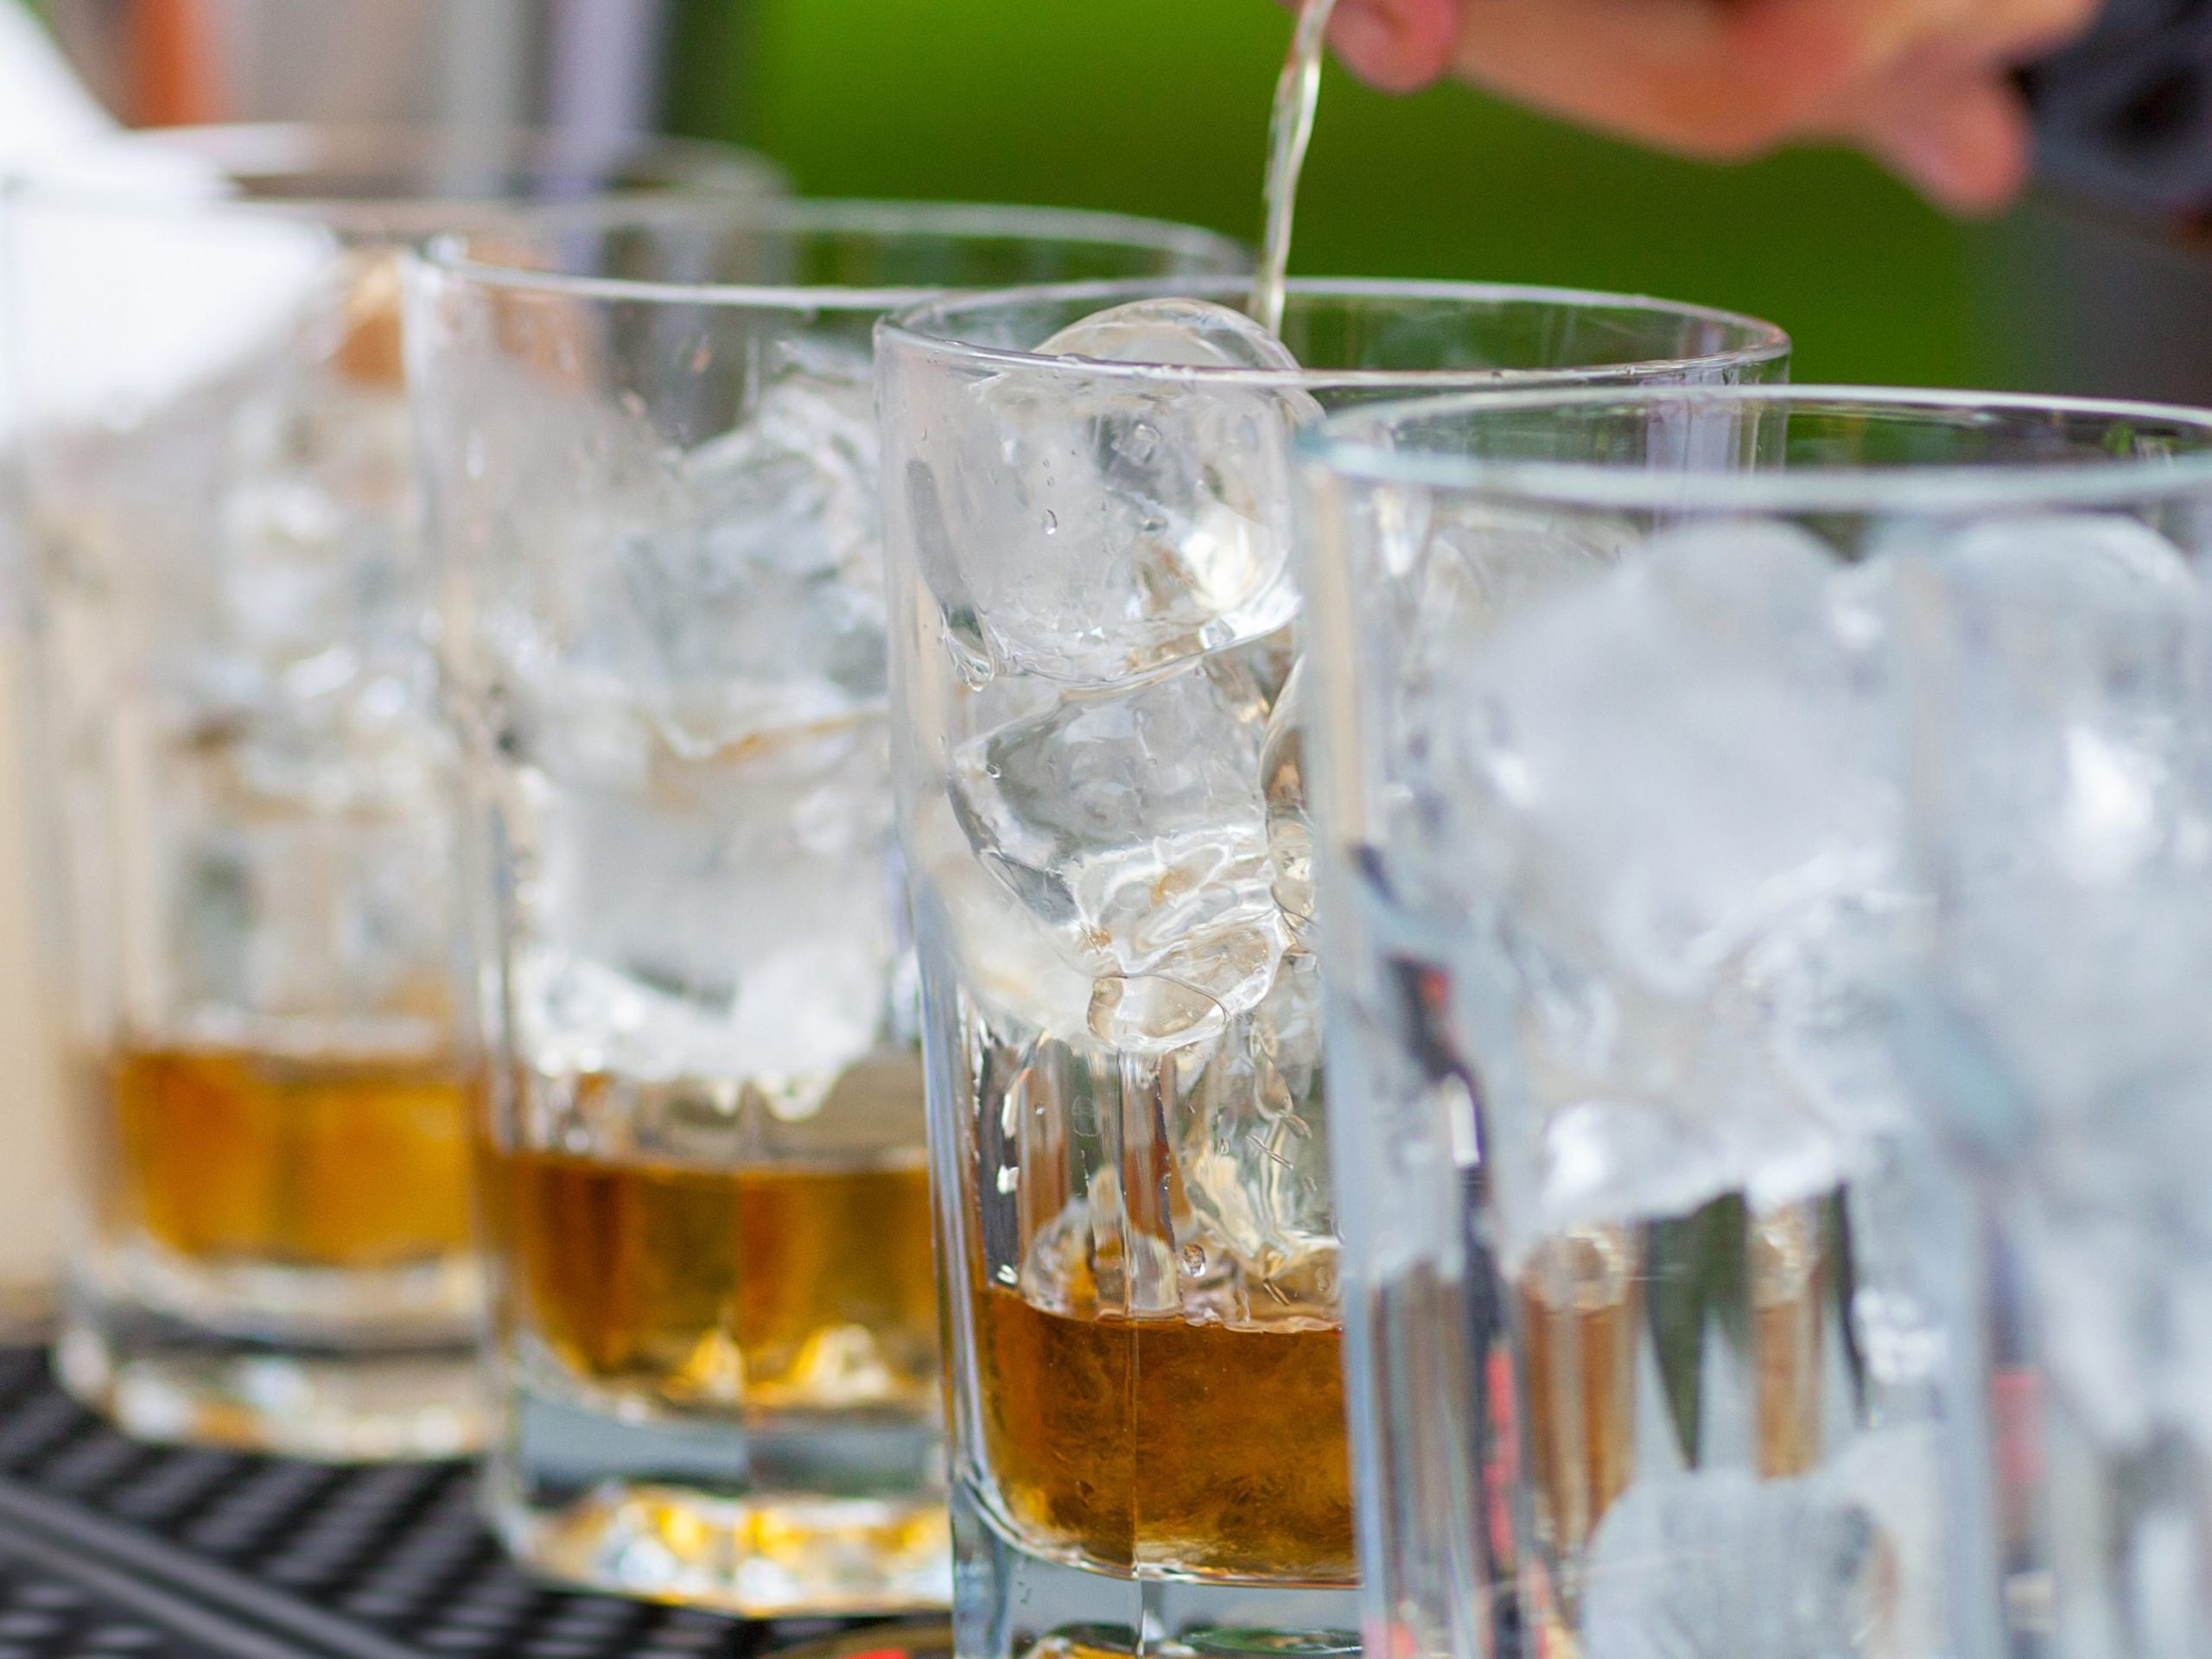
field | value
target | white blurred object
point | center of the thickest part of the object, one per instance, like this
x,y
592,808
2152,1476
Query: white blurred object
x,y
42,104
225,283
85,242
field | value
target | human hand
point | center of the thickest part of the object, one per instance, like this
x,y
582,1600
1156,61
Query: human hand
x,y
1923,85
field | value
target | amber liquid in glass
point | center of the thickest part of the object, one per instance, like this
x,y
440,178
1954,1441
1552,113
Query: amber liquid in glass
x,y
1205,1449
298,1160
1585,1299
774,1287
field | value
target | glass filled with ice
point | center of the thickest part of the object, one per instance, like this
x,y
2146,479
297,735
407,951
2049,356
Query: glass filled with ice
x,y
1097,687
1675,1332
652,473
241,780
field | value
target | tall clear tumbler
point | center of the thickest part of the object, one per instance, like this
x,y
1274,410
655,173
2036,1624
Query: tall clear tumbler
x,y
243,782
652,476
1095,676
1669,1304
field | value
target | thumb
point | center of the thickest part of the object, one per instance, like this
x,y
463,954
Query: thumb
x,y
1399,46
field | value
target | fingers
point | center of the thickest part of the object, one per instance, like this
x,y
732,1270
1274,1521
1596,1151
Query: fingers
x,y
1962,139
1717,81
1399,46
1920,83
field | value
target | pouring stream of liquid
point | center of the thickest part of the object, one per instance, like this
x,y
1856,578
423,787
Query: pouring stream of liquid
x,y
1288,134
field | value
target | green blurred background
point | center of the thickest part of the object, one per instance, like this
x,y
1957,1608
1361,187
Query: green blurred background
x,y
1160,106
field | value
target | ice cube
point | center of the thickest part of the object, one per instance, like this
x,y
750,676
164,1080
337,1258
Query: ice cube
x,y
2075,657
1129,824
729,917
732,589
2103,1145
317,581
750,594
1671,788
1719,1564
1290,826
2079,558
1127,522
1473,565
297,900
1185,334
1088,1259
1006,958
1683,753
1251,1146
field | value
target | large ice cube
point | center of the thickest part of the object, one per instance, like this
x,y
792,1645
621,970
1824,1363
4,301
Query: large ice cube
x,y
1685,752
1129,824
1007,958
1180,334
2095,558
1471,565
1675,756
749,595
725,917
2074,657
315,886
1719,1564
1120,524
1671,784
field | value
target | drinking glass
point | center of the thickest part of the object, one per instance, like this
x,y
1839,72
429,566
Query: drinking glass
x,y
652,465
1095,684
1667,1296
241,780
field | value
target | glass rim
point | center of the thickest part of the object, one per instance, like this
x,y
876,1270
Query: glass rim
x,y
72,177
1342,445
446,253
1762,342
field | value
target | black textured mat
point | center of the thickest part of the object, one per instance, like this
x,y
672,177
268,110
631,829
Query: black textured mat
x,y
109,1547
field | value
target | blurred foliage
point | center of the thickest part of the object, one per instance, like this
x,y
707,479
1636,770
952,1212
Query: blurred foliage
x,y
1160,106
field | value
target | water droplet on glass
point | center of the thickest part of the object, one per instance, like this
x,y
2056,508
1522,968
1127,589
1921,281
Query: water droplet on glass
x,y
1194,1259
1051,523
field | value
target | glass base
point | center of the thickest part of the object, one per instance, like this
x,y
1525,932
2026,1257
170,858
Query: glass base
x,y
159,1380
834,1516
1016,1604
434,1304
